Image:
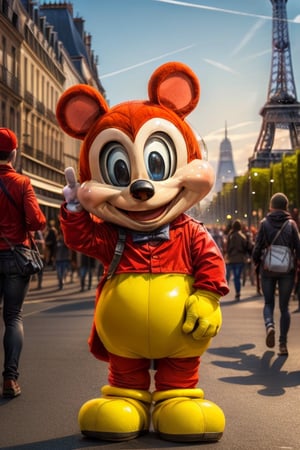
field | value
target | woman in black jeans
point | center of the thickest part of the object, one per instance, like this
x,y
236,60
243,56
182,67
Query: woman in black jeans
x,y
22,215
289,236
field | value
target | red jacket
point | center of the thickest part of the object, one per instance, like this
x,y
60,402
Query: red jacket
x,y
16,222
190,250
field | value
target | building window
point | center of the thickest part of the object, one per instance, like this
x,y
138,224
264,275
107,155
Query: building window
x,y
25,74
12,119
3,115
14,61
4,53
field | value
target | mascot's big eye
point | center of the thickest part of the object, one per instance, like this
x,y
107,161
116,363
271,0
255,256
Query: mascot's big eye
x,y
115,165
159,157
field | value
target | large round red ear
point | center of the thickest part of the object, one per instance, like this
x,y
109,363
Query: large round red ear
x,y
175,86
78,108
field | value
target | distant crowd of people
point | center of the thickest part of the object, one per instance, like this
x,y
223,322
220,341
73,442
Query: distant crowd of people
x,y
236,242
57,256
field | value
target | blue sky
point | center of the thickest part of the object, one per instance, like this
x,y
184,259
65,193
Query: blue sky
x,y
226,42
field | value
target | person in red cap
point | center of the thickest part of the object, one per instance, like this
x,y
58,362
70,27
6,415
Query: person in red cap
x,y
22,215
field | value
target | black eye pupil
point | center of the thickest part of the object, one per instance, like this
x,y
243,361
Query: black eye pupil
x,y
156,164
121,173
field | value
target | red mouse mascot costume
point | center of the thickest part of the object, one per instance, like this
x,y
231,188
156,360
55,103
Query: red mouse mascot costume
x,y
140,169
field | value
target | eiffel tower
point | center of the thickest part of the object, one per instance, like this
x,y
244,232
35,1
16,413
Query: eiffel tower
x,y
280,130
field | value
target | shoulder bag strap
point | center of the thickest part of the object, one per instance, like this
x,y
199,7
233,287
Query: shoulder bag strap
x,y
7,241
2,185
118,253
10,198
279,231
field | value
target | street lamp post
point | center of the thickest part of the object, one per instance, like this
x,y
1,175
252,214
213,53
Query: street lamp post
x,y
271,187
250,194
235,203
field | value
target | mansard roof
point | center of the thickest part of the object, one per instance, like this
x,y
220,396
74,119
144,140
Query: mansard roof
x,y
59,16
71,33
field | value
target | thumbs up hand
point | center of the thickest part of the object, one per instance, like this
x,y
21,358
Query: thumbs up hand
x,y
70,190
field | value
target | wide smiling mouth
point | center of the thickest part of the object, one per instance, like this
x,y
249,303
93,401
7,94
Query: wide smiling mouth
x,y
144,216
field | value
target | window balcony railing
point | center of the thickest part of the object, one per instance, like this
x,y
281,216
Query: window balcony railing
x,y
40,107
9,80
28,97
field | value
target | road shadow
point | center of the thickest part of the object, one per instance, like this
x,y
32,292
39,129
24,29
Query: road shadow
x,y
73,306
246,299
266,371
74,442
52,292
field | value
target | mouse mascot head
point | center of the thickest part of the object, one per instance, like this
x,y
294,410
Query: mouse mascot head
x,y
141,167
140,161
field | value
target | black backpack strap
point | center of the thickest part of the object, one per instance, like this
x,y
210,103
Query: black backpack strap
x,y
12,200
118,253
278,232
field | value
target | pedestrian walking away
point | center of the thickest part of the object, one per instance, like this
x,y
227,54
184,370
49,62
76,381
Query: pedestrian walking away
x,y
278,227
22,216
40,242
63,259
236,254
86,271
50,242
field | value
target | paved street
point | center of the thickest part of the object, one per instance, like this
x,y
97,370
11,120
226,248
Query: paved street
x,y
258,391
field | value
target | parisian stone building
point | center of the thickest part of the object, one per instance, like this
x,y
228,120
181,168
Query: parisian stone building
x,y
43,51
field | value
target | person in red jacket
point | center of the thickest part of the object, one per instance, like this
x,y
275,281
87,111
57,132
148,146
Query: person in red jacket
x,y
22,215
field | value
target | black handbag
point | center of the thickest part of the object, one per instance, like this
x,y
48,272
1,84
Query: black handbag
x,y
28,259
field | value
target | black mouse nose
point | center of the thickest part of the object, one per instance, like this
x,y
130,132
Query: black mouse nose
x,y
142,190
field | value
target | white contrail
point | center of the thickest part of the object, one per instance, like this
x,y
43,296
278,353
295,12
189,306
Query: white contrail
x,y
125,69
257,55
219,65
258,24
193,5
240,46
226,11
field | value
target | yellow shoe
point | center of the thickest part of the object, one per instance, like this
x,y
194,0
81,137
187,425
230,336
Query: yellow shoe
x,y
187,418
115,417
